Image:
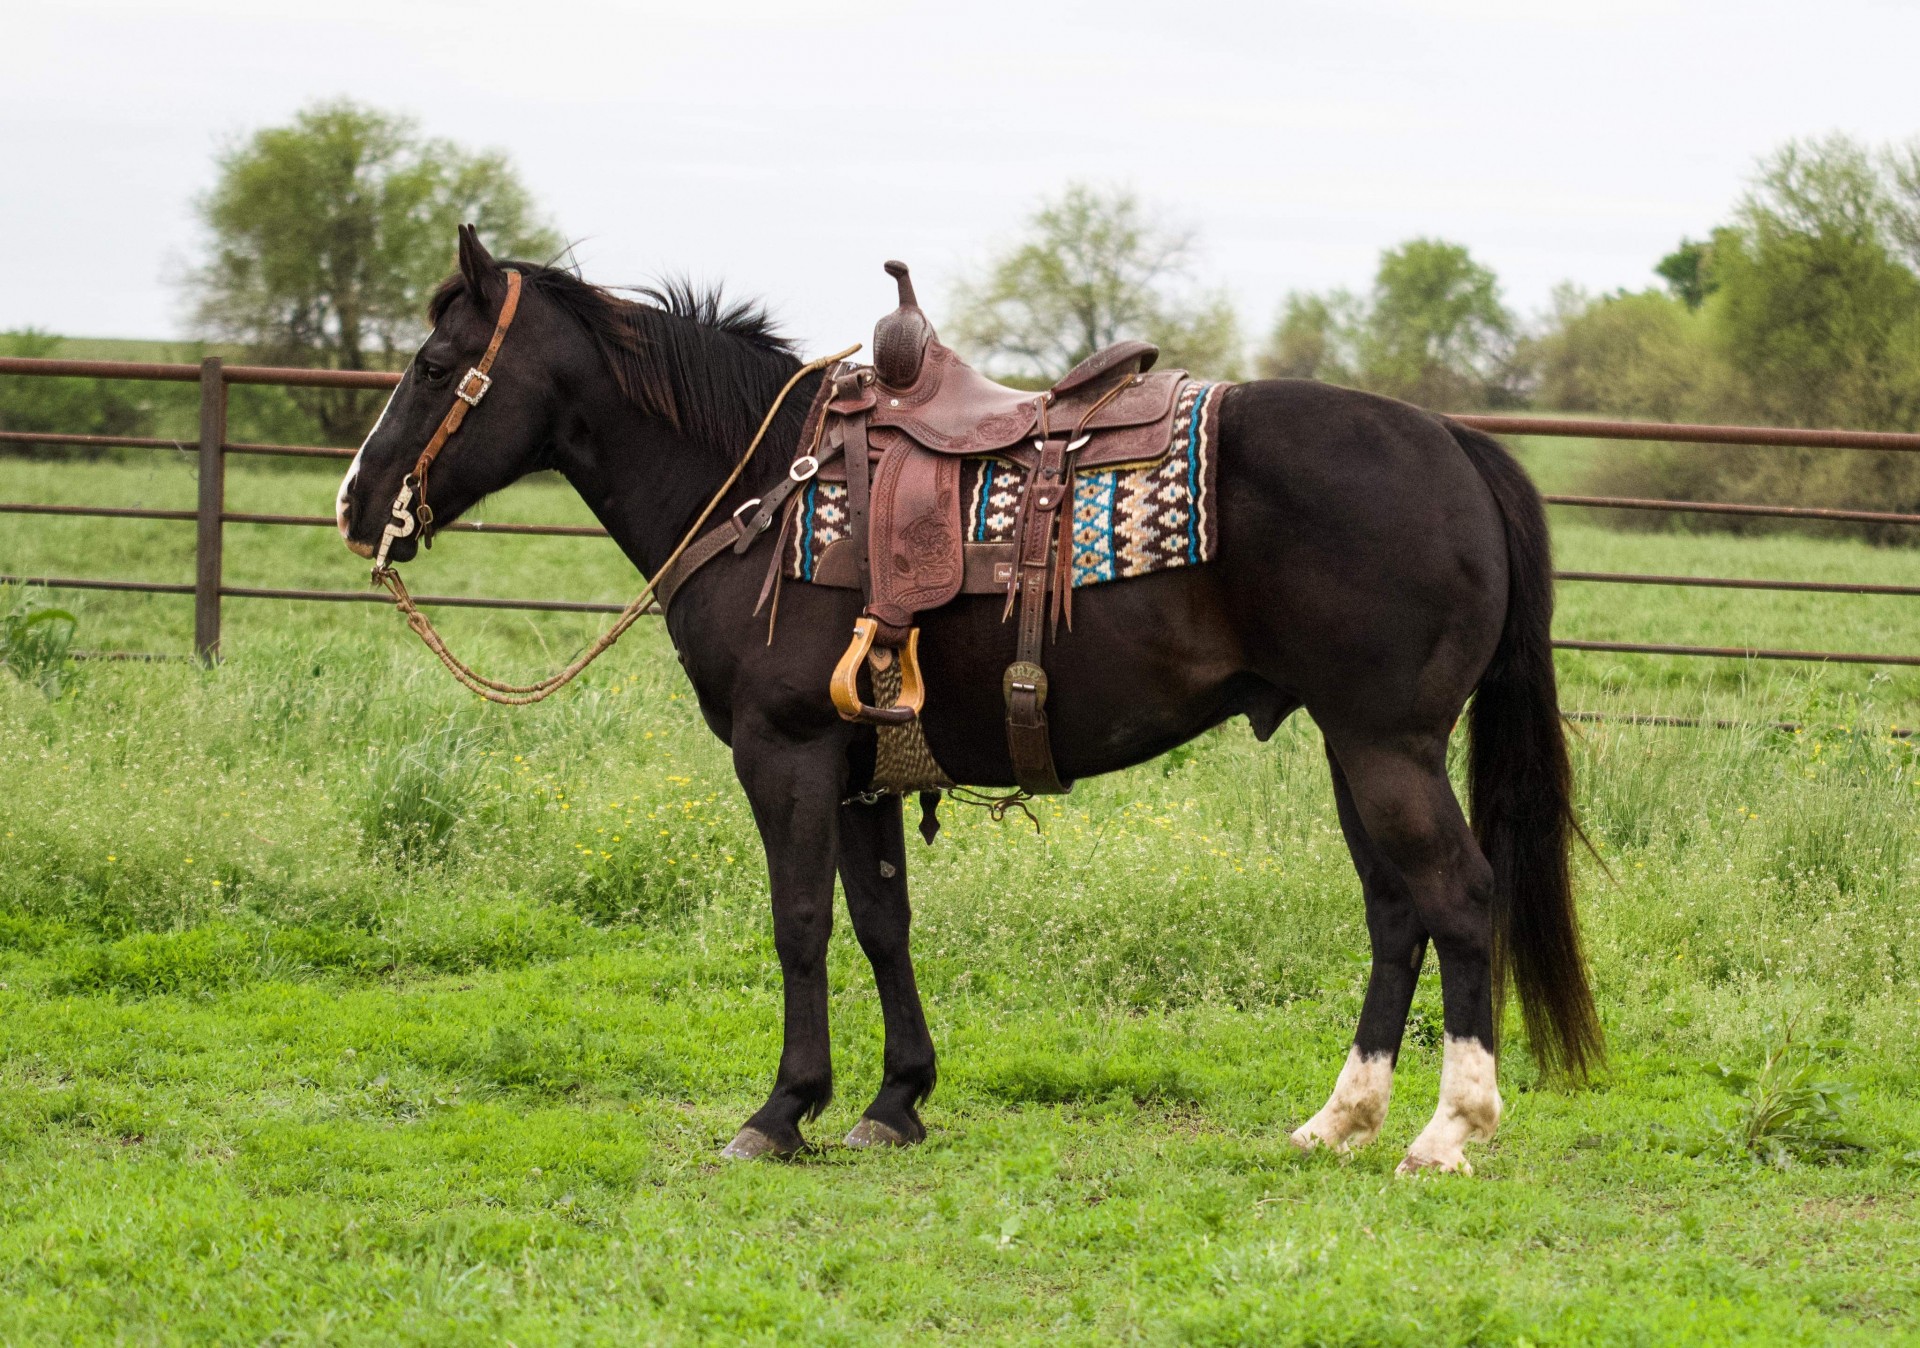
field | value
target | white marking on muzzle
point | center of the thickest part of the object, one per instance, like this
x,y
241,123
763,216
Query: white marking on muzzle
x,y
353,471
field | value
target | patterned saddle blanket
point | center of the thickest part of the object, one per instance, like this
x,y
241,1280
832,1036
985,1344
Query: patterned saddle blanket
x,y
1128,520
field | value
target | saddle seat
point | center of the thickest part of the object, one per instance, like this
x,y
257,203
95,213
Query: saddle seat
x,y
923,391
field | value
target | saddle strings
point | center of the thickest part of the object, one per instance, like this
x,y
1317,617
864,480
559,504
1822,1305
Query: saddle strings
x,y
520,694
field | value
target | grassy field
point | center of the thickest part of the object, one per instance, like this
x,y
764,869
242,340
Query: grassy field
x,y
338,1007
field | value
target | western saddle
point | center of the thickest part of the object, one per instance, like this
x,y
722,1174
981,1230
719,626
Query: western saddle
x,y
896,432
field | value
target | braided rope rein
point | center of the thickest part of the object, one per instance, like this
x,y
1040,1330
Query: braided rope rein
x,y
521,694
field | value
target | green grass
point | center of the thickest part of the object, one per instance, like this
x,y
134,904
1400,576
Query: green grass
x,y
339,1007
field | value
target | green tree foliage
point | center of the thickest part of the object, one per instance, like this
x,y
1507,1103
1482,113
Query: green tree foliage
x,y
1314,339
1688,272
1804,309
325,238
1094,267
73,406
1816,307
1433,330
1648,354
1436,331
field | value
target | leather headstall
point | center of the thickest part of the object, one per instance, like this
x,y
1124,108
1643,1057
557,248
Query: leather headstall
x,y
411,513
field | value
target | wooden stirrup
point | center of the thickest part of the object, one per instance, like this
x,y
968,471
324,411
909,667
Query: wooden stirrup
x,y
846,691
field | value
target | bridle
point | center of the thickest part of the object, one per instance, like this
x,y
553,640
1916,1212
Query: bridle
x,y
411,513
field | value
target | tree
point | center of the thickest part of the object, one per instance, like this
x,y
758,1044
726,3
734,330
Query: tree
x,y
1816,307
1688,272
1094,269
327,236
1901,164
1647,355
1433,330
1314,339
1436,331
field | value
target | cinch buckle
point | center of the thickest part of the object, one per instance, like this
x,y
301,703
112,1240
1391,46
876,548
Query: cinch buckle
x,y
803,468
467,392
745,506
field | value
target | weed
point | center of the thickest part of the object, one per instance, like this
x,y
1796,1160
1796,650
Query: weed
x,y
1784,1114
36,643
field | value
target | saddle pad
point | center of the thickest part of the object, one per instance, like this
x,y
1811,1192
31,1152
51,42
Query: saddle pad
x,y
1126,521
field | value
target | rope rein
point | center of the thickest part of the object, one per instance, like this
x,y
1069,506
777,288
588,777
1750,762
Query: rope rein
x,y
519,694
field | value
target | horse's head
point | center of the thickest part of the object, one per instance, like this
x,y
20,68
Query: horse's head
x,y
498,442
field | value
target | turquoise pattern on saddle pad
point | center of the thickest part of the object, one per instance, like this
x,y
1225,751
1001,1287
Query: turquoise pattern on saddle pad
x,y
1093,526
1127,522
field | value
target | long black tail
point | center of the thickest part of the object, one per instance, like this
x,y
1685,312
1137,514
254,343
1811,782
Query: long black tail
x,y
1520,782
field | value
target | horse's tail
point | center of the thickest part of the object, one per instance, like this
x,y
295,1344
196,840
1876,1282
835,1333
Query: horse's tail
x,y
1520,783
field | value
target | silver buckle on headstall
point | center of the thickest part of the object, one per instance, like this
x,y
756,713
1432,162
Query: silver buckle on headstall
x,y
467,392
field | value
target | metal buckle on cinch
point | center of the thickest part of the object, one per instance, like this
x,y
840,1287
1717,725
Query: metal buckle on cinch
x,y
739,525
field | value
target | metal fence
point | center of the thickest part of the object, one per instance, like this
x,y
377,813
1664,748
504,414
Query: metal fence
x,y
211,515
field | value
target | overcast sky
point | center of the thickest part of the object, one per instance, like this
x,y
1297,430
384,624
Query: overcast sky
x,y
788,149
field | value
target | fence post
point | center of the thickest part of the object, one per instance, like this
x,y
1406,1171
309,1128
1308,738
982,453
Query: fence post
x,y
213,504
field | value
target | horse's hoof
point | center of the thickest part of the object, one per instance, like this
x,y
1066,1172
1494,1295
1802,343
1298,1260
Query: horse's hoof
x,y
873,1133
1417,1163
1305,1139
750,1144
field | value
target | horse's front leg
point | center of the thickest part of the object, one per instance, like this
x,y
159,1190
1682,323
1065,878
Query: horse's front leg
x,y
873,870
795,792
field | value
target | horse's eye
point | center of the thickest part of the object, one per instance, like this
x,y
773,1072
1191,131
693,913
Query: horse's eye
x,y
432,373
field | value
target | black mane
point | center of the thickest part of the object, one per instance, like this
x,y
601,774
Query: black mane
x,y
706,365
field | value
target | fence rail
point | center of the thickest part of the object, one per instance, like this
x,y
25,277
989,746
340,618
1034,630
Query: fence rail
x,y
210,515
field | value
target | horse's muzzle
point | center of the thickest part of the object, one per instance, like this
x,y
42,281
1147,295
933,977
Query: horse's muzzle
x,y
343,512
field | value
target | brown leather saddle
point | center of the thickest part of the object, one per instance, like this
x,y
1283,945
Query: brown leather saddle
x,y
898,429
896,433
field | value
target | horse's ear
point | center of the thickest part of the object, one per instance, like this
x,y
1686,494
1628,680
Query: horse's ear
x,y
477,266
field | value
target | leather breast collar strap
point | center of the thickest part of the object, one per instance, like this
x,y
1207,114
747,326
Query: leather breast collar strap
x,y
411,513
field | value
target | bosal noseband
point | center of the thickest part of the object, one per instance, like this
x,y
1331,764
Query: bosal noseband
x,y
411,512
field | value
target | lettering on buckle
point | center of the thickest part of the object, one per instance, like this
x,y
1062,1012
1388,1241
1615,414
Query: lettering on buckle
x,y
467,392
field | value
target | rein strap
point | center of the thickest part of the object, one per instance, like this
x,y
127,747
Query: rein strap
x,y
518,694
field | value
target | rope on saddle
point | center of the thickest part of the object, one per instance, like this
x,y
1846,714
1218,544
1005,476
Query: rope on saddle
x,y
520,694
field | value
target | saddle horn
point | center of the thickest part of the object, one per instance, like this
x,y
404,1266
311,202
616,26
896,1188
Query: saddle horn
x,y
900,340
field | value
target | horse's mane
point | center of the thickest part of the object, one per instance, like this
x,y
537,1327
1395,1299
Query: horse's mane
x,y
706,365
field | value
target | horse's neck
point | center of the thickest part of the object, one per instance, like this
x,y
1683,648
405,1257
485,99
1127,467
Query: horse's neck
x,y
648,483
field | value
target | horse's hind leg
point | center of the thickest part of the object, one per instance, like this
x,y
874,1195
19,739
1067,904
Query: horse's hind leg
x,y
1358,1106
873,870
1402,798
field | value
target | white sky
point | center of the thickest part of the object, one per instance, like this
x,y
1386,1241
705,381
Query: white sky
x,y
789,149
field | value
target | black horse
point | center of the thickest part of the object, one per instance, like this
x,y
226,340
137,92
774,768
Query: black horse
x,y
1378,565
